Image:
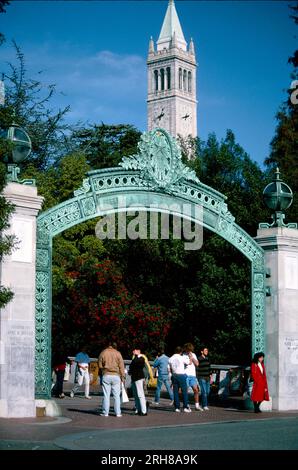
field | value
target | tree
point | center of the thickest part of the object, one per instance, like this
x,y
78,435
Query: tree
x,y
29,103
99,306
105,145
3,3
284,144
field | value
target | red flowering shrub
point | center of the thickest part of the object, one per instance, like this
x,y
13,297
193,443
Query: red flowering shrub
x,y
100,307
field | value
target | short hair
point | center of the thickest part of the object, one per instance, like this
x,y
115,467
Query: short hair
x,y
257,357
113,344
178,350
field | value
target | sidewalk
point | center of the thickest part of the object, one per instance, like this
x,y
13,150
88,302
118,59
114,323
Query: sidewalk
x,y
81,423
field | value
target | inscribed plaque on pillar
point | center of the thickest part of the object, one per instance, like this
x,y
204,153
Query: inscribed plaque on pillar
x,y
22,229
291,272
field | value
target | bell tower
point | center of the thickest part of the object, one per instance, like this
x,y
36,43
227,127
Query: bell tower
x,y
171,100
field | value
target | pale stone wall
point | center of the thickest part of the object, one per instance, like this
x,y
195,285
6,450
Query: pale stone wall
x,y
17,319
281,322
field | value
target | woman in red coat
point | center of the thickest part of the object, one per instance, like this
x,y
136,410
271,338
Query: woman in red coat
x,y
258,375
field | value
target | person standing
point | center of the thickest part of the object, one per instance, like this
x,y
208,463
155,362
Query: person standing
x,y
161,363
111,368
82,360
177,363
136,371
204,376
260,388
59,362
190,370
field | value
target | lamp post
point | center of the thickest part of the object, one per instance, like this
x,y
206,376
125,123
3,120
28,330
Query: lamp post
x,y
278,197
21,149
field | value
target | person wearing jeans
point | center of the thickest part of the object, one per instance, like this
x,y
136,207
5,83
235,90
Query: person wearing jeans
x,y
161,363
177,363
204,374
112,371
205,390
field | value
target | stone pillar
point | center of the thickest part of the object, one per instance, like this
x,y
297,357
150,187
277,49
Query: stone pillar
x,y
17,319
281,321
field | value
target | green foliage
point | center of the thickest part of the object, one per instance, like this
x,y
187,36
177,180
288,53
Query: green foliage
x,y
99,305
105,145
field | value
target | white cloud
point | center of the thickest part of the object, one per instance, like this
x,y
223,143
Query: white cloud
x,y
104,86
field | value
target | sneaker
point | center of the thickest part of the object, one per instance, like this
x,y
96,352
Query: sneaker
x,y
177,410
71,394
198,407
143,414
136,412
88,398
103,414
62,395
171,402
155,403
187,410
206,408
118,416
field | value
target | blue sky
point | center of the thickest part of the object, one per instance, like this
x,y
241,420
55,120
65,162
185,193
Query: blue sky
x,y
95,52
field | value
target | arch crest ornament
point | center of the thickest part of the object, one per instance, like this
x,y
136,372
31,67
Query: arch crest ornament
x,y
160,161
155,175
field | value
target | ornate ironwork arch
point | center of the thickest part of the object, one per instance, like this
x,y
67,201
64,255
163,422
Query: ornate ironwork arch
x,y
155,176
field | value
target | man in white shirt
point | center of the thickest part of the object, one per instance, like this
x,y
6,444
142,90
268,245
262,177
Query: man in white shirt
x,y
190,371
177,364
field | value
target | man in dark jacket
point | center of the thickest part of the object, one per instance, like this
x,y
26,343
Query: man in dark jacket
x,y
204,374
136,371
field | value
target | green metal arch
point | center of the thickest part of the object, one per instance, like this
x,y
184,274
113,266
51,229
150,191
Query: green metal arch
x,y
156,176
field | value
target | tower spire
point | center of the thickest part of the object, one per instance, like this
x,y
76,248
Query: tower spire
x,y
170,25
151,46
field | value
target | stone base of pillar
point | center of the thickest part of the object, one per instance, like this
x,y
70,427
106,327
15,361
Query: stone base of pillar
x,y
48,408
17,408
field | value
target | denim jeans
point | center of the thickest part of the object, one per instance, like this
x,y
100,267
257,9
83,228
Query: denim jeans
x,y
205,390
111,383
179,381
163,379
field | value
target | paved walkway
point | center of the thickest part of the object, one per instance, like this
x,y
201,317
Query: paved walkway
x,y
81,427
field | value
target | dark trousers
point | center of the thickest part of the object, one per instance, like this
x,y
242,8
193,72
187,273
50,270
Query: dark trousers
x,y
58,387
179,381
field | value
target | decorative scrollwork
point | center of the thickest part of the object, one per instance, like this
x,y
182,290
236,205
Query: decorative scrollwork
x,y
160,161
42,258
42,335
85,188
88,206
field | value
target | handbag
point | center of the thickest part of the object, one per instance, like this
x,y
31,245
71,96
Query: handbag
x,y
124,396
152,382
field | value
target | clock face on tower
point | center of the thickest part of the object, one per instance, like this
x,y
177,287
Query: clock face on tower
x,y
185,119
160,117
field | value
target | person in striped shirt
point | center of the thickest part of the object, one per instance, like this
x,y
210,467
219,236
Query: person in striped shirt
x,y
204,375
